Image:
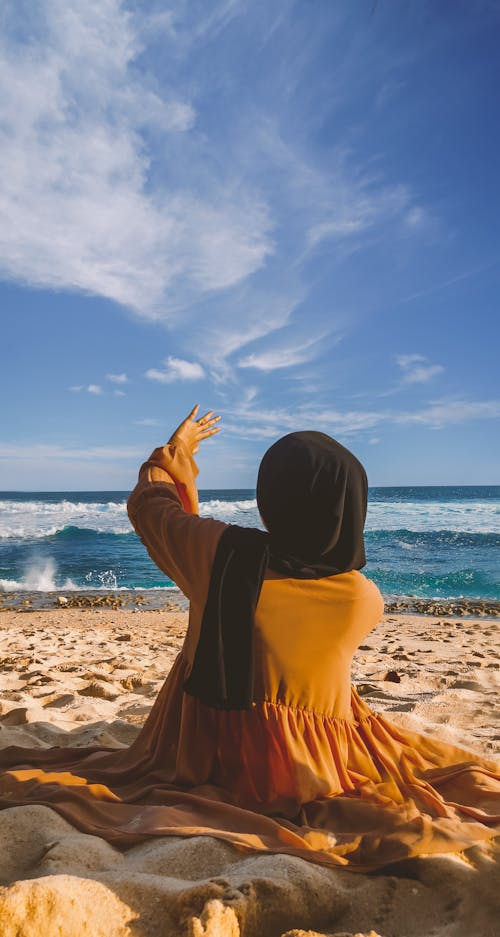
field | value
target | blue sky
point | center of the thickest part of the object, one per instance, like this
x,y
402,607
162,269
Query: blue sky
x,y
286,211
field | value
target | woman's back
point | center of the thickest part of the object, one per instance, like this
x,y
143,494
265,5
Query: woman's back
x,y
306,632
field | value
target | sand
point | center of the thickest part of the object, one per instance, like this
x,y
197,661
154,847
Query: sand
x,y
87,676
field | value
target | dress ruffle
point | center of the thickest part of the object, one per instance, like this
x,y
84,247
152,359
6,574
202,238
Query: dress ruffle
x,y
358,792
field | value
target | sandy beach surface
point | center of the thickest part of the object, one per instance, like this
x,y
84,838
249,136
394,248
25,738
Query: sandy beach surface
x,y
89,675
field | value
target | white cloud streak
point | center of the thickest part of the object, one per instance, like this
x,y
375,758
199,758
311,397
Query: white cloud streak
x,y
37,452
94,389
417,369
117,378
276,359
251,423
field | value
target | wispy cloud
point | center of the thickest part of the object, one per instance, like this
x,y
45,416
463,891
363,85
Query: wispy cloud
x,y
451,412
285,357
117,378
417,369
250,422
353,206
94,389
176,369
39,451
147,421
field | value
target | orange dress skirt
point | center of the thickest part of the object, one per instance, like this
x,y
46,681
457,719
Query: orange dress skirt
x,y
393,794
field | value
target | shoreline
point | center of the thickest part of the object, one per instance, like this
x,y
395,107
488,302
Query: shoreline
x,y
171,599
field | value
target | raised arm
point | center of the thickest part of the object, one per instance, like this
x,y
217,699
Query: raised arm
x,y
163,509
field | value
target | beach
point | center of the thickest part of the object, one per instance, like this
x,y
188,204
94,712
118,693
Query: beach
x,y
87,671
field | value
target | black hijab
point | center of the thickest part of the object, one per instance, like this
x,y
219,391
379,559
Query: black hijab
x,y
312,496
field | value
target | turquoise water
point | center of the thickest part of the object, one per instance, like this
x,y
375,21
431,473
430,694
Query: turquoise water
x,y
430,541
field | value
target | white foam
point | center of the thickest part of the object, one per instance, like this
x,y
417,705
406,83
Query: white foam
x,y
33,520
456,516
39,519
226,510
40,576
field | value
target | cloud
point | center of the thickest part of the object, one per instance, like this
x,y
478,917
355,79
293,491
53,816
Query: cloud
x,y
447,413
278,358
339,204
80,208
148,421
35,452
248,422
176,369
417,370
133,186
117,378
353,207
95,389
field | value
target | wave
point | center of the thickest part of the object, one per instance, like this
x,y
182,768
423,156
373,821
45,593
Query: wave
x,y
34,520
462,583
402,537
207,508
38,519
454,516
411,539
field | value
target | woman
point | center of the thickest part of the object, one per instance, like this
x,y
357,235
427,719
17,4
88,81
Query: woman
x,y
257,736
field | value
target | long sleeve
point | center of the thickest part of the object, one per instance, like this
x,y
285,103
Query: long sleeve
x,y
163,511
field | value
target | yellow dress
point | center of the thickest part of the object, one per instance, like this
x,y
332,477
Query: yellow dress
x,y
309,770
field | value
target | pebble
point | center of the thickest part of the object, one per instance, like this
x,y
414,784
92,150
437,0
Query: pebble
x,y
392,676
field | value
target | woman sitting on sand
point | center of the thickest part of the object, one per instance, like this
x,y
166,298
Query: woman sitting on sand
x,y
257,736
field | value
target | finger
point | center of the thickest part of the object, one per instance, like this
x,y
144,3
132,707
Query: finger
x,y
193,413
204,424
203,419
210,432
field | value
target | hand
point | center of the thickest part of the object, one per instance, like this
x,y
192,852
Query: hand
x,y
191,431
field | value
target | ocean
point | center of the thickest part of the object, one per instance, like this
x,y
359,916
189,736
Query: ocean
x,y
428,542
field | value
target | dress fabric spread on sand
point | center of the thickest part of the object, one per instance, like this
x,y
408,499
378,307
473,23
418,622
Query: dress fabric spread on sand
x,y
308,770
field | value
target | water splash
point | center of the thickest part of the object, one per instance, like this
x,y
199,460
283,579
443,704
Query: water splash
x,y
102,580
39,576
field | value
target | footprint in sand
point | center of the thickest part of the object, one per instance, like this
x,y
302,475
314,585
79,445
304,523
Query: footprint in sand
x,y
467,685
60,701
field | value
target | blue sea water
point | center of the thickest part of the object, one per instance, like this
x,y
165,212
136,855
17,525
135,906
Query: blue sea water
x,y
440,542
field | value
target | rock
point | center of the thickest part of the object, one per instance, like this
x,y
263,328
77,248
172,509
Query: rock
x,y
62,600
392,676
124,637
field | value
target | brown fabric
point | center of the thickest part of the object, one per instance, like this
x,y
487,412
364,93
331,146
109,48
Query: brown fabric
x,y
310,770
